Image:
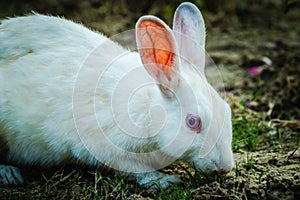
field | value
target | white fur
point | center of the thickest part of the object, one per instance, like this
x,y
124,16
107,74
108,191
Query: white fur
x,y
40,58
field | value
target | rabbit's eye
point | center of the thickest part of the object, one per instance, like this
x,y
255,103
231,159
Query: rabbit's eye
x,y
193,122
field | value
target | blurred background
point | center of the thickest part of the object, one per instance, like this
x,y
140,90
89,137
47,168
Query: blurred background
x,y
117,15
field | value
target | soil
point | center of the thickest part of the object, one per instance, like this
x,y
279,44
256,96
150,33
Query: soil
x,y
256,47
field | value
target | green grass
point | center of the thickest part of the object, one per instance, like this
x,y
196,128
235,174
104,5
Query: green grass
x,y
83,183
246,133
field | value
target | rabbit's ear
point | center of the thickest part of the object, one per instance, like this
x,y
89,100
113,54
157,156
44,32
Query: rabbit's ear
x,y
189,31
158,51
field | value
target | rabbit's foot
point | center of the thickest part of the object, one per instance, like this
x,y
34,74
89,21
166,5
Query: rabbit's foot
x,y
10,175
156,180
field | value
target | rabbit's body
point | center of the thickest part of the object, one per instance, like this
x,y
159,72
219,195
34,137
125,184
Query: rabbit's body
x,y
51,97
36,85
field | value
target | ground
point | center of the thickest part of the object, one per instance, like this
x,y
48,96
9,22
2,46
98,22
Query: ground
x,y
256,47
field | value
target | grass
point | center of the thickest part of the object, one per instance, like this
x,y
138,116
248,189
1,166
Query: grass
x,y
67,183
245,133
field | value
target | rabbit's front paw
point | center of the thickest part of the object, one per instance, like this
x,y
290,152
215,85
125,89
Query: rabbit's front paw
x,y
10,175
157,180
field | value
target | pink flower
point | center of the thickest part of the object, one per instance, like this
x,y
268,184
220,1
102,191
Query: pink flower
x,y
247,103
254,70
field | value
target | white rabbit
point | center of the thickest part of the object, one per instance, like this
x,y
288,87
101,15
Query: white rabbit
x,y
69,94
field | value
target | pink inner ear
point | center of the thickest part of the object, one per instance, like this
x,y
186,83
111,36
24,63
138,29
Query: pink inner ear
x,y
156,48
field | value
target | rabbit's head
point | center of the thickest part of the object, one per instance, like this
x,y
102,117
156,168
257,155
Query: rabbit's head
x,y
200,120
